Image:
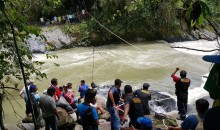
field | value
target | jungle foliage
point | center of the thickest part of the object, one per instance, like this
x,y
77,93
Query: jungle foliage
x,y
148,19
15,54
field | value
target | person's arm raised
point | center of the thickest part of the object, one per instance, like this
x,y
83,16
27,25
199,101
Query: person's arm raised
x,y
174,72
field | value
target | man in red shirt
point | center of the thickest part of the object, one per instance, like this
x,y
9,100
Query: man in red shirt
x,y
182,85
57,94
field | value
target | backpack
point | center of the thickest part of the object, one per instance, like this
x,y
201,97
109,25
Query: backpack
x,y
200,123
88,121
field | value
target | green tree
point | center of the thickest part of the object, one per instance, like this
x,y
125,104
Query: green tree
x,y
15,57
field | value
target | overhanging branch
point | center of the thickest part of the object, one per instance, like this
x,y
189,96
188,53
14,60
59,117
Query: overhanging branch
x,y
195,49
9,88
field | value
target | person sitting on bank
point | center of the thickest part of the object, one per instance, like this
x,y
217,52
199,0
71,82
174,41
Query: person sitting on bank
x,y
82,89
68,95
194,122
95,105
145,96
88,114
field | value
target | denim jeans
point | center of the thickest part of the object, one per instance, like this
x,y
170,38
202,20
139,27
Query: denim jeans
x,y
115,121
50,122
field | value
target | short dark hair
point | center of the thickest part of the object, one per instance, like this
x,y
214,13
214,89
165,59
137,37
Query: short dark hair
x,y
93,85
146,86
54,81
128,89
82,81
118,81
69,84
90,94
51,90
183,73
61,88
202,105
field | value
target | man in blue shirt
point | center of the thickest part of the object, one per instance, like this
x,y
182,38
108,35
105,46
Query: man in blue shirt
x,y
114,96
82,89
191,122
88,113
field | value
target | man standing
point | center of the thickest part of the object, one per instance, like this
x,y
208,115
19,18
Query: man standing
x,y
57,94
133,107
145,96
88,113
82,89
23,90
48,107
113,100
182,85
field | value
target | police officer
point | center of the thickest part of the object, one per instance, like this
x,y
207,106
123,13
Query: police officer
x,y
145,96
133,107
182,85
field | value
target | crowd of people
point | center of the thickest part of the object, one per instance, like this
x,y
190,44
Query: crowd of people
x,y
135,103
65,19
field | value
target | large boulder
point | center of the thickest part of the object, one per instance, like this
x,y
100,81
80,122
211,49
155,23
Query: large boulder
x,y
55,38
65,119
101,101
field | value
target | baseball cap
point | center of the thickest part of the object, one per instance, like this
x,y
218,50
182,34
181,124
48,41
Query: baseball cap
x,y
146,85
145,122
212,58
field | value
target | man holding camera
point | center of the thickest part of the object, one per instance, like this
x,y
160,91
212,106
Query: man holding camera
x,y
182,85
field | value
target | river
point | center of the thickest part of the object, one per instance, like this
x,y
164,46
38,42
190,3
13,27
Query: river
x,y
151,62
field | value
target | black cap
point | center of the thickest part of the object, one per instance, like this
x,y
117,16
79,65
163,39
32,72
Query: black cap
x,y
117,81
146,85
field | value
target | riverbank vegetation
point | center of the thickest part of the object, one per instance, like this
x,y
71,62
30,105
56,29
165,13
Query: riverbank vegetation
x,y
146,19
129,19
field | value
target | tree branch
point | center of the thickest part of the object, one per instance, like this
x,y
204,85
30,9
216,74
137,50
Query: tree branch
x,y
21,65
30,5
9,88
13,98
195,49
213,27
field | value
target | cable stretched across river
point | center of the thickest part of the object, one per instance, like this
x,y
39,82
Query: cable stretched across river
x,y
171,65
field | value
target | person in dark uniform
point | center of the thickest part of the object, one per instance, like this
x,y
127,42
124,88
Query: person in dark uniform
x,y
114,96
182,85
145,96
133,107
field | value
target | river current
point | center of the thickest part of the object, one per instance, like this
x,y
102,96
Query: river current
x,y
151,62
